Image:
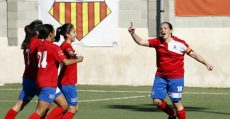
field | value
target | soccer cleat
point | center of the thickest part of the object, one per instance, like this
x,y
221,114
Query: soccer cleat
x,y
172,117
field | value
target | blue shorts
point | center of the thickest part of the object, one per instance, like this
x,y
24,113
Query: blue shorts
x,y
172,87
58,92
70,93
47,94
29,90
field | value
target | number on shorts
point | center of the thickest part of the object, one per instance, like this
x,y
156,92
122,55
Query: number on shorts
x,y
179,88
42,60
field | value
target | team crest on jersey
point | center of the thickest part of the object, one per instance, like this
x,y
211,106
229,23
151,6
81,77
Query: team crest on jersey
x,y
84,16
174,47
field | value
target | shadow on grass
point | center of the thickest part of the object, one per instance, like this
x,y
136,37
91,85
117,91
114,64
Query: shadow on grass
x,y
152,108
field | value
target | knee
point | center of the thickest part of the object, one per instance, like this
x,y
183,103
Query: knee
x,y
157,102
19,106
65,107
73,109
177,105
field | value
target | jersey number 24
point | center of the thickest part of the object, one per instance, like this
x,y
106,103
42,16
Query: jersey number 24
x,y
42,59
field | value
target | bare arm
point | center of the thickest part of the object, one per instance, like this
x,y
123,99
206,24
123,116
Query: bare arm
x,y
201,60
71,54
68,62
136,38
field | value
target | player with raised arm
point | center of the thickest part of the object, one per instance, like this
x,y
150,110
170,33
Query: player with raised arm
x,y
29,90
49,57
169,77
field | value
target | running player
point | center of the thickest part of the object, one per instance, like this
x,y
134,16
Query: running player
x,y
68,74
49,57
169,77
29,90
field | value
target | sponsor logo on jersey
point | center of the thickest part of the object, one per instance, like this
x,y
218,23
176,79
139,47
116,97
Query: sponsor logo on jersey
x,y
60,53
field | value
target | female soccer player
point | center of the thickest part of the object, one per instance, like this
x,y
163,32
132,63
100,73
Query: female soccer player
x,y
49,57
29,90
68,74
169,77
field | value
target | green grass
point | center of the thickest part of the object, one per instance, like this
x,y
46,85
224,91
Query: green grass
x,y
197,106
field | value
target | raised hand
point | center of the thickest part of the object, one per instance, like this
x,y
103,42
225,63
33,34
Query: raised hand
x,y
131,29
210,67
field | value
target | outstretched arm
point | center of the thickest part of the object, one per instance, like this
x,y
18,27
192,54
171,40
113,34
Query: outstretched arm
x,y
136,38
201,60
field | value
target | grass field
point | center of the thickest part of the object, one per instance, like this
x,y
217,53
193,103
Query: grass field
x,y
129,102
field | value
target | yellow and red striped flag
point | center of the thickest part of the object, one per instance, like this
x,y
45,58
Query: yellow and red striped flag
x,y
85,15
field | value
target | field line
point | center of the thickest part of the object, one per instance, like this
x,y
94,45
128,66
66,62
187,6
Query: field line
x,y
105,91
94,100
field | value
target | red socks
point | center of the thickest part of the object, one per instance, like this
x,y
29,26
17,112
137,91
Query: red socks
x,y
55,112
34,116
11,114
181,114
68,115
59,116
165,108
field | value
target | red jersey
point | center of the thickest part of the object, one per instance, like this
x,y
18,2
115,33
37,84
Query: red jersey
x,y
49,57
68,74
170,57
29,55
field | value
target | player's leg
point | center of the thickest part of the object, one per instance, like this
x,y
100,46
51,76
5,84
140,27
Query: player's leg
x,y
26,95
176,87
45,99
43,117
60,100
70,92
159,92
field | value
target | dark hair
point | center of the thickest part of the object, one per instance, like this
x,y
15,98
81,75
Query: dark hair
x,y
170,26
45,30
62,30
30,31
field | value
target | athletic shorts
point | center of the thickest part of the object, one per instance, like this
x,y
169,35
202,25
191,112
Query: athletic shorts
x,y
47,94
172,87
29,90
70,93
58,92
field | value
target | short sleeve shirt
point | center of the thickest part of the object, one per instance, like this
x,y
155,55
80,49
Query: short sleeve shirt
x,y
170,57
29,55
68,74
49,57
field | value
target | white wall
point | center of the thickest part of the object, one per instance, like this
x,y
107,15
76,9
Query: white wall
x,y
131,64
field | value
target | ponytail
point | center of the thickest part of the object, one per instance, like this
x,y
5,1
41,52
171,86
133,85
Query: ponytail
x,y
58,33
30,31
28,36
63,30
